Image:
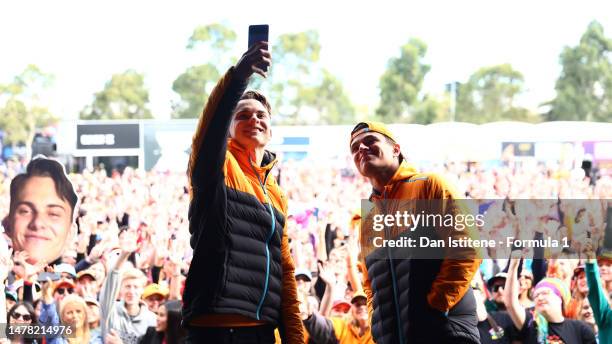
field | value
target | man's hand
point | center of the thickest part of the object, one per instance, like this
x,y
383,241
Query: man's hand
x,y
326,274
113,338
30,270
255,60
47,291
588,252
96,253
128,242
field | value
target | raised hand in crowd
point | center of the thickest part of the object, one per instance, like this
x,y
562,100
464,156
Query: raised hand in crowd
x,y
47,291
96,252
128,241
327,275
30,270
6,264
113,338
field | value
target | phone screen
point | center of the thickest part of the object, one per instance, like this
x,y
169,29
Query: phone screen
x,y
43,276
258,33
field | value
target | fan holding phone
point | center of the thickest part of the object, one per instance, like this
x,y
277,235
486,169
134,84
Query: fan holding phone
x,y
240,286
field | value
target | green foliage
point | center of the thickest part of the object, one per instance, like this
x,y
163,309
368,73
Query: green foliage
x,y
217,36
584,88
301,92
297,50
292,75
401,83
489,95
21,113
193,85
330,100
124,97
430,110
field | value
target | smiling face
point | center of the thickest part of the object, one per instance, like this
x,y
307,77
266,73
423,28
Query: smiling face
x,y
251,124
41,220
359,309
20,315
525,281
586,312
162,319
74,314
546,301
372,151
605,269
497,290
93,313
581,283
154,302
131,290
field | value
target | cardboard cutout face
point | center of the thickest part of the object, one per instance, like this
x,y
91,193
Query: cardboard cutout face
x,y
41,216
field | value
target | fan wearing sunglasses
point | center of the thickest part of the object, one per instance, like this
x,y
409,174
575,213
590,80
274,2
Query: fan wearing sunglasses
x,y
63,288
21,313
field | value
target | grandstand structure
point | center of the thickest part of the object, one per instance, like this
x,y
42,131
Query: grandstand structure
x,y
165,144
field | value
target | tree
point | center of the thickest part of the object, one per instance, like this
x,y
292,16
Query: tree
x,y
401,83
195,83
22,113
193,87
293,74
489,95
124,97
298,85
584,88
330,101
429,110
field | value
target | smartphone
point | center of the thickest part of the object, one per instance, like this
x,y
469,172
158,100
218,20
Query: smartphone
x,y
258,33
43,276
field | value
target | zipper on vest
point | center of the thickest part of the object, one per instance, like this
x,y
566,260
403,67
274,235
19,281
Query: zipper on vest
x,y
393,280
272,229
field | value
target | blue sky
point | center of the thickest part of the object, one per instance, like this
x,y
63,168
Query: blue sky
x,y
82,43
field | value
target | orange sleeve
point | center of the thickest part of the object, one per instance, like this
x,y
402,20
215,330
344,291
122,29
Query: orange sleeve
x,y
455,275
290,312
367,289
203,123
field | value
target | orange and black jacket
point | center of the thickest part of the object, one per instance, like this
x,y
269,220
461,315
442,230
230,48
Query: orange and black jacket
x,y
241,273
418,295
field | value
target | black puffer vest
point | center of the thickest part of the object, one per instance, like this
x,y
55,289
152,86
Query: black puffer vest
x,y
237,247
401,312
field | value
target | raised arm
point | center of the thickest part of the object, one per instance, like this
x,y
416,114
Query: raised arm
x,y
328,277
112,282
597,295
5,267
511,292
209,143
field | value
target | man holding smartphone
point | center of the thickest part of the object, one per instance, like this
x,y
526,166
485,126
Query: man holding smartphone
x,y
240,286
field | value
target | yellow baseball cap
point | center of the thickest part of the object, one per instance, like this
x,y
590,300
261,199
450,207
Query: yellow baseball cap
x,y
377,127
154,289
371,126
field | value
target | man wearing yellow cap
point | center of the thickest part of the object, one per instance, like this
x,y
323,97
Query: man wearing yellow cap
x,y
412,300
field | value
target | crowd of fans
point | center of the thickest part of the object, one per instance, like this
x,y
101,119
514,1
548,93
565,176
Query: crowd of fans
x,y
126,264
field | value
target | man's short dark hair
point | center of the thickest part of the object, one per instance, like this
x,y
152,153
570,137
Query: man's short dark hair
x,y
43,167
259,97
